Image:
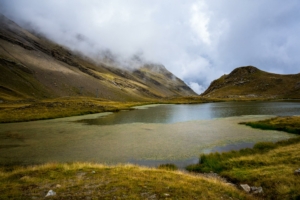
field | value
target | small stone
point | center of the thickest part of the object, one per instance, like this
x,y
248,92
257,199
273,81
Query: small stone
x,y
297,172
256,190
50,193
166,194
246,187
152,196
93,172
58,185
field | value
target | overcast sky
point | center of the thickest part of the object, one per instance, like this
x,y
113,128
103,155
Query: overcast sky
x,y
197,40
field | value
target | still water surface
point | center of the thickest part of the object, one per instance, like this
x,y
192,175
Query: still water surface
x,y
167,114
150,135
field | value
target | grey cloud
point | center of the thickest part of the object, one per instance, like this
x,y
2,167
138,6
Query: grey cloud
x,y
197,40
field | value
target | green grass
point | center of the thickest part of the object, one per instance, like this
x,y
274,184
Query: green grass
x,y
287,124
60,107
267,164
168,166
34,109
94,181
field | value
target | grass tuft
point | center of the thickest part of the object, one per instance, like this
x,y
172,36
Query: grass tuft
x,y
168,166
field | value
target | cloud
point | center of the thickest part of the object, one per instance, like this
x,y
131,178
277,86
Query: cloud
x,y
196,87
197,40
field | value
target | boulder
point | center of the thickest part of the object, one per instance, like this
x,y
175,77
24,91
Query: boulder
x,y
246,187
50,193
256,190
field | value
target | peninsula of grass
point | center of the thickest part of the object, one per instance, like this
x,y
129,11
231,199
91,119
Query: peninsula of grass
x,y
95,181
60,107
287,124
269,165
35,109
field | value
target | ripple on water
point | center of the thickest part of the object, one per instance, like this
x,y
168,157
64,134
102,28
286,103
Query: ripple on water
x,y
61,140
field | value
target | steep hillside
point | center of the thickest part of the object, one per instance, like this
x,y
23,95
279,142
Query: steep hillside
x,y
33,67
250,82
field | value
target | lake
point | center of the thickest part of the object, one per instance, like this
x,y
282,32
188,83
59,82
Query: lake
x,y
149,135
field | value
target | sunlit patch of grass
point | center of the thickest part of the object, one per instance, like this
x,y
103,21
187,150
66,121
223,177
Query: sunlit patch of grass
x,y
82,180
61,107
269,165
288,124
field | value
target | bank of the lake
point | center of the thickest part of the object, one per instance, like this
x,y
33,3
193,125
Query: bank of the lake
x,y
273,166
41,109
95,181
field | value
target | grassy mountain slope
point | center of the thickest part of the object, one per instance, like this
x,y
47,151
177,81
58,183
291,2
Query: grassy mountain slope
x,y
35,68
250,82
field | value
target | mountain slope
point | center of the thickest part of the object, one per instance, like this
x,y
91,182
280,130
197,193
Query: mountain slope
x,y
250,82
33,67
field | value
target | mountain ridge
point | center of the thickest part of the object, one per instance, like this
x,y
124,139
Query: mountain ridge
x,y
35,67
251,82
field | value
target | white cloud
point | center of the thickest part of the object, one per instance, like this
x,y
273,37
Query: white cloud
x,y
199,21
196,87
197,40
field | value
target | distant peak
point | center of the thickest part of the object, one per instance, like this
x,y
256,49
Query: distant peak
x,y
245,70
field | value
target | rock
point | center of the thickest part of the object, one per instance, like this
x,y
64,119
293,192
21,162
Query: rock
x,y
256,190
50,193
93,172
297,172
152,196
246,187
166,194
58,185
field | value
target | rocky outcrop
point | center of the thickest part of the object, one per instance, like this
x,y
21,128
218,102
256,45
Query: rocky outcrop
x,y
251,189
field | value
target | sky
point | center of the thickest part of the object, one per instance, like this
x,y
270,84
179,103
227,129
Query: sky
x,y
197,40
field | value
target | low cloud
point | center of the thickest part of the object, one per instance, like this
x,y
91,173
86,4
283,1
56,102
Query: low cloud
x,y
196,87
197,40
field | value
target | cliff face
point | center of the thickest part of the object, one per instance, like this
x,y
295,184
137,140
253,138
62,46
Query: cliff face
x,y
34,67
250,82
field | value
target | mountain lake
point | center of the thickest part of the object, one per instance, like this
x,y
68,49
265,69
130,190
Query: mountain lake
x,y
149,135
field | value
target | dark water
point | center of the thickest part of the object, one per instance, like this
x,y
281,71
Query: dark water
x,y
167,114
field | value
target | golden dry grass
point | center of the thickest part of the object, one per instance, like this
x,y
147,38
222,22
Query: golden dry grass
x,y
274,171
94,181
269,165
288,124
60,107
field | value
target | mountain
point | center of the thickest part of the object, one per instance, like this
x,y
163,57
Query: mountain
x,y
251,82
33,67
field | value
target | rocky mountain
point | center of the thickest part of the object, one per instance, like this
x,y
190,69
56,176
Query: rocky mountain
x,y
250,82
33,67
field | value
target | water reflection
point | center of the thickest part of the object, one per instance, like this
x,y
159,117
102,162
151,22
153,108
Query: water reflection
x,y
167,114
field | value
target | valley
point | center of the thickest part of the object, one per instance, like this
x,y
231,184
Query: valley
x,y
69,122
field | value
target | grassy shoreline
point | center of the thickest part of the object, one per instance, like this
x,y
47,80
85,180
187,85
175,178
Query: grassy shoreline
x,y
269,165
31,110
95,181
287,124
